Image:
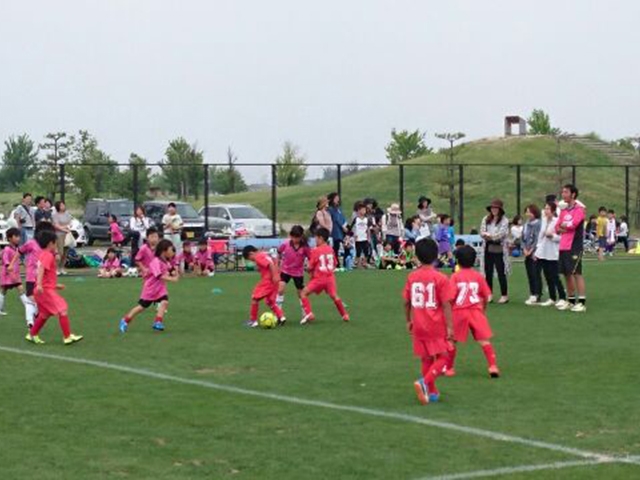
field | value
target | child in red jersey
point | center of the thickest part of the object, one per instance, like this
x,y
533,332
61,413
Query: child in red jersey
x,y
147,252
428,295
203,260
322,264
267,288
154,288
471,296
10,271
48,300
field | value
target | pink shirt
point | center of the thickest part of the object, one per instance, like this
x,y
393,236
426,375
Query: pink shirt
x,y
111,264
186,257
204,259
32,250
292,259
116,233
154,286
572,219
145,255
10,277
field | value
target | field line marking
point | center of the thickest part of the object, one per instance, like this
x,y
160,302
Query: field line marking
x,y
519,469
478,432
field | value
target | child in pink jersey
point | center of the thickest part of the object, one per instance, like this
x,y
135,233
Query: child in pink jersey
x,y
185,260
10,273
147,252
154,289
292,257
117,238
203,261
111,267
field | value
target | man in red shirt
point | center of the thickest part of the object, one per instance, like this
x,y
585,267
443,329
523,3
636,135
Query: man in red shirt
x,y
471,293
428,295
322,265
267,287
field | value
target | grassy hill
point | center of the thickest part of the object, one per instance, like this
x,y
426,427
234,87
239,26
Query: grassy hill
x,y
423,176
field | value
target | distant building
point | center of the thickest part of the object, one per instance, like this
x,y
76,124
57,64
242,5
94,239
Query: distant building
x,y
511,120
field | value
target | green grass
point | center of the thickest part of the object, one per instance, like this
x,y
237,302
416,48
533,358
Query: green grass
x,y
567,379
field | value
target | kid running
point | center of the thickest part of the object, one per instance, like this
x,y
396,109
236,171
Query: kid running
x,y
267,288
471,293
292,256
48,300
10,275
322,265
428,295
154,288
147,252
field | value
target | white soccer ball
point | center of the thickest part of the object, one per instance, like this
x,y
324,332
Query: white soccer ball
x,y
132,272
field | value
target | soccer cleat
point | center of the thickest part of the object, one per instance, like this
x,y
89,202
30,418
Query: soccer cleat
x,y
2,312
35,339
124,326
494,371
307,319
449,372
563,305
251,323
579,308
421,391
434,397
158,326
282,321
346,318
532,300
71,339
548,303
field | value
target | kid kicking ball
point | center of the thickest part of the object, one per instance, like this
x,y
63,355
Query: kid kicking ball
x,y
268,320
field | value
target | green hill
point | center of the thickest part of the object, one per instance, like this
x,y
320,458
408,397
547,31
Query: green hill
x,y
423,176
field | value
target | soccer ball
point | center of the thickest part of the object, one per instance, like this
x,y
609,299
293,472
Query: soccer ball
x,y
268,320
132,272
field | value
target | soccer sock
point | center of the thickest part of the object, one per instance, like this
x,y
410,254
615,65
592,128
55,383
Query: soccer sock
x,y
306,305
37,326
1,302
490,354
280,299
64,325
275,309
253,315
30,312
582,300
128,319
572,299
159,318
434,372
24,299
340,307
452,357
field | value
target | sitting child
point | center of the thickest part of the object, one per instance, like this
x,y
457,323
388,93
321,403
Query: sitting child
x,y
408,258
348,245
203,260
388,258
110,267
186,259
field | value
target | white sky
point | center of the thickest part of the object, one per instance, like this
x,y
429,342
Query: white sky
x,y
333,76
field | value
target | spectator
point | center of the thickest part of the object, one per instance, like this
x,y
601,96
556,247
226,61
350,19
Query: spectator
x,y
339,223
172,225
612,231
412,228
427,215
623,232
494,231
41,214
529,244
515,234
392,228
374,215
138,226
25,219
62,223
547,253
322,217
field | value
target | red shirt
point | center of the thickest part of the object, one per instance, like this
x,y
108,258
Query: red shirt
x,y
48,262
470,289
427,290
322,262
264,262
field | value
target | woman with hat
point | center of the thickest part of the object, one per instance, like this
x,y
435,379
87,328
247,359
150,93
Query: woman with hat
x,y
494,231
392,226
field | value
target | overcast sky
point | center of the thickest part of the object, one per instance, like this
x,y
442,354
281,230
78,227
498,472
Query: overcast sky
x,y
333,76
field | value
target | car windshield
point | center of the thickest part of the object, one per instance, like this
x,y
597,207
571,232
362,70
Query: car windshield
x,y
121,208
246,212
186,210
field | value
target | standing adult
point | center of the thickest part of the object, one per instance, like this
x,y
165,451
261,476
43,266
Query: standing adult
x,y
138,226
25,219
339,222
172,226
62,223
412,228
427,216
570,226
41,214
494,231
322,217
547,253
392,227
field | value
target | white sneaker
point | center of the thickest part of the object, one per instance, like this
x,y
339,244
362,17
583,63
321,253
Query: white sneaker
x,y
306,319
563,305
2,312
579,308
548,303
532,300
212,274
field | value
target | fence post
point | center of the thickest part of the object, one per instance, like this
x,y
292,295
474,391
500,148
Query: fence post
x,y
401,186
62,181
518,188
573,175
135,185
339,179
206,198
626,191
461,199
274,188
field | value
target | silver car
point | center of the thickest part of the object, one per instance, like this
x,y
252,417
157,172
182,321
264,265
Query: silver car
x,y
246,220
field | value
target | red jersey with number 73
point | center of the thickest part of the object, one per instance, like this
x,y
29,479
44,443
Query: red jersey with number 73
x,y
427,290
470,289
322,262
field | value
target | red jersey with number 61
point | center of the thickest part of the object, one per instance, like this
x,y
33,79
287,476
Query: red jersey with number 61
x,y
427,290
322,262
470,289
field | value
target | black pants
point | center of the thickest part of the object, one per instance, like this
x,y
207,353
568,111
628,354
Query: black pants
x,y
496,260
336,250
552,277
625,242
534,276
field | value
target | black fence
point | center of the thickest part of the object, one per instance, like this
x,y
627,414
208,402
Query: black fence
x,y
461,190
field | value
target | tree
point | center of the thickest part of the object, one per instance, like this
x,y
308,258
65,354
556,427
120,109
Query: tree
x,y
290,167
540,124
57,147
93,172
124,185
182,168
19,162
405,145
229,180
449,181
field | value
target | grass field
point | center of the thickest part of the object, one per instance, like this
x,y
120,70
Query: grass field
x,y
209,398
